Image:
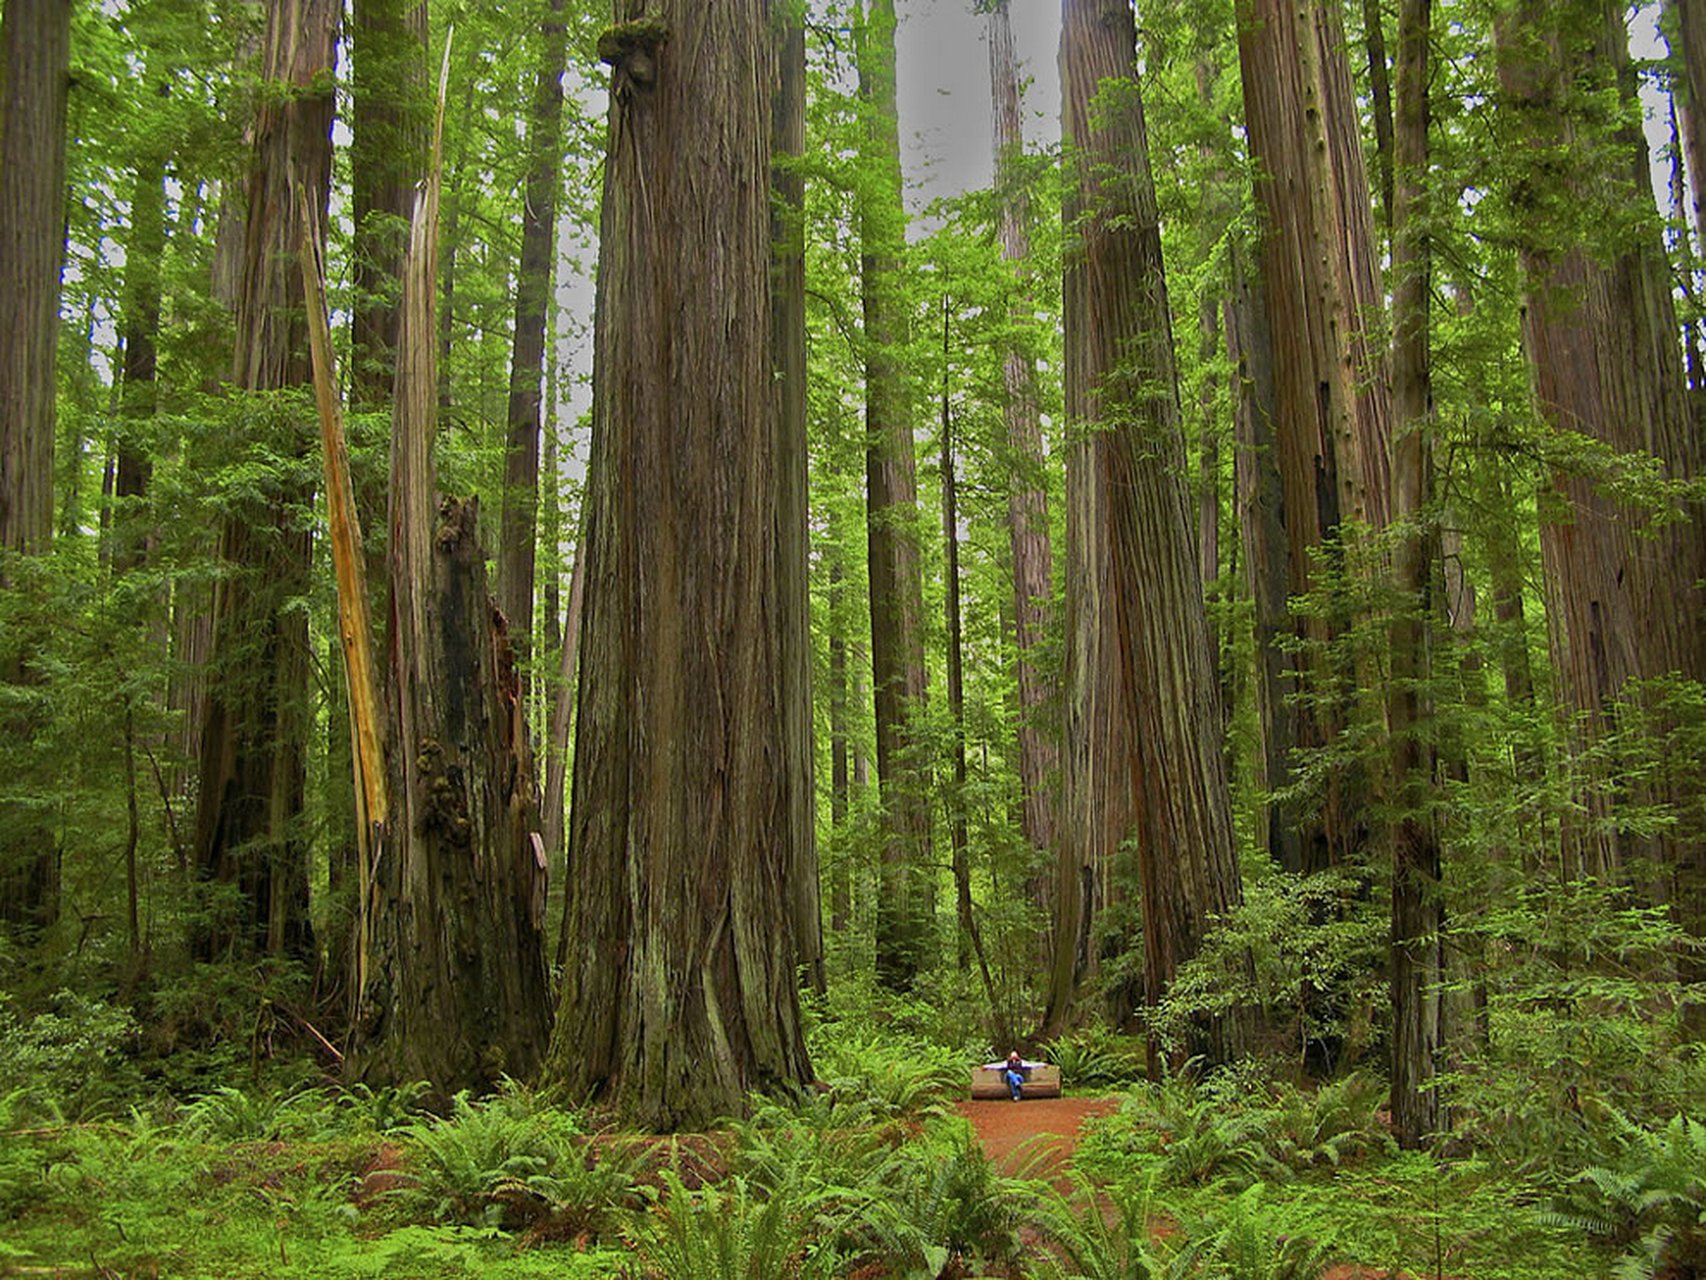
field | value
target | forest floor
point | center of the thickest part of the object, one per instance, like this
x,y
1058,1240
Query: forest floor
x,y
1035,1137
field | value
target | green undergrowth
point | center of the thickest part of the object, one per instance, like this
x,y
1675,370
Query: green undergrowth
x,y
876,1174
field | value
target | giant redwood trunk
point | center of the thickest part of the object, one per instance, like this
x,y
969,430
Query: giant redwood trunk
x,y
452,972
1624,601
36,35
906,904
1027,496
793,506
253,759
1331,409
1122,390
678,997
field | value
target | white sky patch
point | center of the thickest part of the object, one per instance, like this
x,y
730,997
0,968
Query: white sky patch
x,y
942,52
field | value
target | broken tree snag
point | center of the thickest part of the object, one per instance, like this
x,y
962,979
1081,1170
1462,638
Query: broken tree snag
x,y
456,989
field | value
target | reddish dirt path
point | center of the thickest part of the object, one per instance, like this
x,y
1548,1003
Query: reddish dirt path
x,y
1036,1137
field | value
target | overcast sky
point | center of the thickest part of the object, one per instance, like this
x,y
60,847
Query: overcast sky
x,y
943,85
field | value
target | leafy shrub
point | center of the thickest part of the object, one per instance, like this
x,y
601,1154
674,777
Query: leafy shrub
x,y
1090,1244
737,1232
1651,1202
830,1140
71,1052
384,1109
230,1114
949,1201
511,1160
1177,1135
21,1160
1337,1122
1096,1058
1306,954
899,1078
1242,1241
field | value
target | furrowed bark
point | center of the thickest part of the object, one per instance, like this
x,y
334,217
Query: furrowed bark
x,y
679,995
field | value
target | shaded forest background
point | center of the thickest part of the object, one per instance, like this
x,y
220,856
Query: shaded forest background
x,y
1236,582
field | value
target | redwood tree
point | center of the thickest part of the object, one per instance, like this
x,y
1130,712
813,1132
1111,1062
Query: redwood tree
x,y
906,905
1122,391
1417,940
793,506
1330,400
1027,498
534,277
36,36
253,758
678,996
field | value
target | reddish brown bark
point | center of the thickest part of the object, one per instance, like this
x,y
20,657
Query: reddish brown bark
x,y
1027,498
1417,942
679,995
906,905
453,984
36,40
391,118
1122,391
253,756
1331,400
518,516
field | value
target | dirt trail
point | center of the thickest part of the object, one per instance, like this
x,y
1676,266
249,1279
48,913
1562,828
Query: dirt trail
x,y
1035,1137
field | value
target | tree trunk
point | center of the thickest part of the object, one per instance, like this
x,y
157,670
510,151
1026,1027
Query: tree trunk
x,y
906,905
36,40
956,667
679,995
455,989
1416,937
841,876
133,468
793,505
557,739
392,115
1624,603
1262,528
253,760
1600,337
1691,33
37,48
1380,89
518,519
1027,496
1122,389
1331,406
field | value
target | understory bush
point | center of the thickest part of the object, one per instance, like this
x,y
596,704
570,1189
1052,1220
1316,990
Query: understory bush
x,y
1650,1201
1183,1133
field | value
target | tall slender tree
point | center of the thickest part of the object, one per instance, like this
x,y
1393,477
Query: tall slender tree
x,y
906,905
1417,937
253,756
679,996
518,519
1331,401
1027,497
793,506
391,116
1625,594
454,987
1122,390
35,37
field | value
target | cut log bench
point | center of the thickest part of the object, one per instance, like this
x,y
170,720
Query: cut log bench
x,y
1042,1080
